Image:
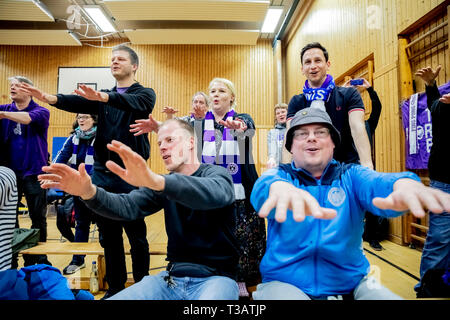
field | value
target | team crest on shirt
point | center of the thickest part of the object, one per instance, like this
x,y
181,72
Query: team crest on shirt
x,y
18,130
336,196
232,168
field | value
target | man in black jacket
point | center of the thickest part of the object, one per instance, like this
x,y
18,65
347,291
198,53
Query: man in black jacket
x,y
436,250
199,215
116,109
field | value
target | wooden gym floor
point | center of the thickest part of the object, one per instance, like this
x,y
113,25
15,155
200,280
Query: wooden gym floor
x,y
397,267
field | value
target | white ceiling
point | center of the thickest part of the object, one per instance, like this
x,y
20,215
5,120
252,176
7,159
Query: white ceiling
x,y
140,21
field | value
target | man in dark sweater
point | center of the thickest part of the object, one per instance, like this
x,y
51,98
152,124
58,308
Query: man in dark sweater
x,y
116,109
199,215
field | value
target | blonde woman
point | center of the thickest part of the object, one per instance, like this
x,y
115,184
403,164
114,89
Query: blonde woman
x,y
224,138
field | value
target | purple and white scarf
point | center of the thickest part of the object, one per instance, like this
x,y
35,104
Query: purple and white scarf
x,y
318,96
228,155
89,158
416,120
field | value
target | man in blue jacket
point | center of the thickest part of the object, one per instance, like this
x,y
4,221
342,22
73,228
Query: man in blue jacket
x,y
315,209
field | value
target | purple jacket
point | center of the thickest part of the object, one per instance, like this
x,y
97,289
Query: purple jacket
x,y
34,150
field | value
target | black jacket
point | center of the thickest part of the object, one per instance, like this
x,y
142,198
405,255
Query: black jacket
x,y
114,119
438,166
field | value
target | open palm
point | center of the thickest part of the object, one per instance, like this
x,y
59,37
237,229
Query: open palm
x,y
136,171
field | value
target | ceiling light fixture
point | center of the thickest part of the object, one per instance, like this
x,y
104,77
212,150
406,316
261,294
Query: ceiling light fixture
x,y
271,21
44,9
99,18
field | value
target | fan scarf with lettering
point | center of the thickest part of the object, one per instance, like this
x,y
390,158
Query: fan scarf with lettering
x,y
228,155
318,96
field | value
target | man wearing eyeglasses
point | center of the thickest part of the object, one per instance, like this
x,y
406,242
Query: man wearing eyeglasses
x,y
315,209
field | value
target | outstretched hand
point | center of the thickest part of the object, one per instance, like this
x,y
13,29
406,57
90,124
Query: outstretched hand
x,y
91,94
283,196
136,171
428,75
37,93
169,111
236,124
445,98
411,195
143,126
71,181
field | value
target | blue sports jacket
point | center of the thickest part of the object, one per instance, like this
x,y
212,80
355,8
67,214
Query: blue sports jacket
x,y
323,257
38,282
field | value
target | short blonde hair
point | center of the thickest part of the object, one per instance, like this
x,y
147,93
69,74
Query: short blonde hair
x,y
229,85
278,106
181,123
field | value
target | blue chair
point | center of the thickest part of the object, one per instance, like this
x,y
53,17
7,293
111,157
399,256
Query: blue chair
x,y
53,195
56,196
58,143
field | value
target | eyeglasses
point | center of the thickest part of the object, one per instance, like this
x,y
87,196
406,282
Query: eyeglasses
x,y
83,117
304,134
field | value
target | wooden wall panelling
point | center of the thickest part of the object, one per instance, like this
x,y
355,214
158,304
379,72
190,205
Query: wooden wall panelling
x,y
363,69
408,14
432,50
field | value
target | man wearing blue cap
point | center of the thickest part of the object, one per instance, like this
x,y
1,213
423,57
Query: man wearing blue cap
x,y
315,209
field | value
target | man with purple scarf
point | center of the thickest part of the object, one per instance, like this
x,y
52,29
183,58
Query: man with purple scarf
x,y
23,132
344,106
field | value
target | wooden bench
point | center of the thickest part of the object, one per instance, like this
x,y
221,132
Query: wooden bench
x,y
88,248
